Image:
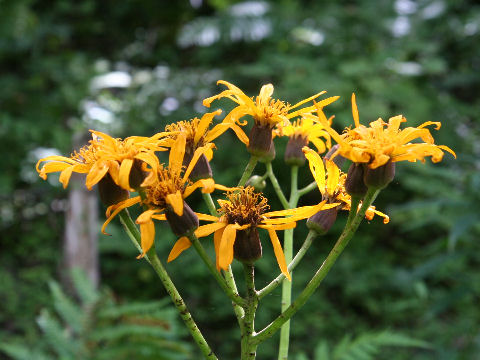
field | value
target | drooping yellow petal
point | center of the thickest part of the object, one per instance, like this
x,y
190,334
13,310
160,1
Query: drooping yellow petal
x,y
277,248
217,239
316,167
181,245
147,231
225,251
146,216
176,202
333,176
196,155
124,174
97,172
177,153
65,175
116,209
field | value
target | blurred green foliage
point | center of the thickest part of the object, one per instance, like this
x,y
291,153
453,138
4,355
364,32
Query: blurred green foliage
x,y
418,275
98,327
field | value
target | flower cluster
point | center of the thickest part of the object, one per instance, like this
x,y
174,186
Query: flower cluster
x,y
131,166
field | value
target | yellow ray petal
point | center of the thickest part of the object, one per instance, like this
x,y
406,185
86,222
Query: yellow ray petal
x,y
65,175
176,202
226,246
205,230
148,236
116,209
204,124
177,153
146,216
97,172
277,248
355,111
316,167
181,245
196,155
206,217
333,176
124,174
290,225
217,239
300,103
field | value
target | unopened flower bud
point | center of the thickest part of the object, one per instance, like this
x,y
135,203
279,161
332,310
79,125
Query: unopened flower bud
x,y
338,159
260,143
380,177
137,175
182,225
294,155
257,182
111,193
322,221
354,183
201,170
247,247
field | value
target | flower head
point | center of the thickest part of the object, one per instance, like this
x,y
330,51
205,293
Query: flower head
x,y
242,214
266,111
104,154
199,141
382,142
331,183
165,191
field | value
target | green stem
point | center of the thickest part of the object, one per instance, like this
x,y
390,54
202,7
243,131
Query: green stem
x,y
237,299
355,200
276,185
210,204
248,348
307,189
301,252
287,285
341,243
248,170
177,300
239,311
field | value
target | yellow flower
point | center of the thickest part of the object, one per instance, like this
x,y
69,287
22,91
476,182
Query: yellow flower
x,y
382,142
331,183
246,210
198,133
306,131
266,111
103,155
165,191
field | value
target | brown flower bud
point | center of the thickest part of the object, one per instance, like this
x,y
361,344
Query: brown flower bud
x,y
247,247
322,221
260,143
111,193
380,177
182,225
354,183
201,170
294,155
137,175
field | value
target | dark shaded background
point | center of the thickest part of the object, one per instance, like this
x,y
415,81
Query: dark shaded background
x,y
131,67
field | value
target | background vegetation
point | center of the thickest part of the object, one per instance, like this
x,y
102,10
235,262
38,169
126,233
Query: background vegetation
x,y
418,275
